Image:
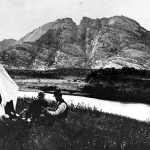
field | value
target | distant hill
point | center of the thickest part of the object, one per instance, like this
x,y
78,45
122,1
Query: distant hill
x,y
5,44
117,41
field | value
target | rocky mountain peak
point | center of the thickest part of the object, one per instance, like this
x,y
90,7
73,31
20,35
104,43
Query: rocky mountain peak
x,y
123,22
103,42
86,22
104,21
67,20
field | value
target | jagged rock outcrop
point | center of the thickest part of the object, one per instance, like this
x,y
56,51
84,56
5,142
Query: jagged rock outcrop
x,y
122,42
94,43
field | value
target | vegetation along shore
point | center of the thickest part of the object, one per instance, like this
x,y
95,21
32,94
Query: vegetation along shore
x,y
87,128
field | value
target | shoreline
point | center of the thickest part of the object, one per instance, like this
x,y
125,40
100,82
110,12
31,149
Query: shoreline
x,y
130,110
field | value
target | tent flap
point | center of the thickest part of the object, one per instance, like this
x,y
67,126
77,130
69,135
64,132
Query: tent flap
x,y
8,89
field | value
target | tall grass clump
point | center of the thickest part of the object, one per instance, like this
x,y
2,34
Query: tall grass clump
x,y
88,129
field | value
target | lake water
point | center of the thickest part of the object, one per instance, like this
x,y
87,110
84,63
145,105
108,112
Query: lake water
x,y
139,112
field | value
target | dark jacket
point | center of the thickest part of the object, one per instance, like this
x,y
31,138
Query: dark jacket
x,y
0,99
10,108
35,109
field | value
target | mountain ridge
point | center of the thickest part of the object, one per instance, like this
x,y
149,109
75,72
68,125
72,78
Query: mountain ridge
x,y
117,41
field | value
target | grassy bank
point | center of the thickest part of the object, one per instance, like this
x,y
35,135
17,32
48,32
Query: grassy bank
x,y
87,130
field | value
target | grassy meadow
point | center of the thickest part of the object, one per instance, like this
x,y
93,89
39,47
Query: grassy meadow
x,y
88,129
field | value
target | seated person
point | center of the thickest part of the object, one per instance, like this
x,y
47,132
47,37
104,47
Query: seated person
x,y
34,111
61,112
0,99
9,110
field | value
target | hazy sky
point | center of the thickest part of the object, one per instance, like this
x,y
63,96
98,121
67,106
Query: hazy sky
x,y
19,17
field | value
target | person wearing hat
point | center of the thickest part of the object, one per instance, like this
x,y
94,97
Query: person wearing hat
x,y
61,111
35,108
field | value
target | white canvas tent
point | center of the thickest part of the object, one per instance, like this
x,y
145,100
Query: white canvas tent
x,y
8,90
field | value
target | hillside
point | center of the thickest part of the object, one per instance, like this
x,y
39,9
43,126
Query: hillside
x,y
117,42
5,44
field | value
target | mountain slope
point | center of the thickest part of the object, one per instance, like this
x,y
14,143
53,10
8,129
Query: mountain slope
x,y
5,44
107,42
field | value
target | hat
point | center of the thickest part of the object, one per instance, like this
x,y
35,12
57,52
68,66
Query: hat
x,y
57,92
41,94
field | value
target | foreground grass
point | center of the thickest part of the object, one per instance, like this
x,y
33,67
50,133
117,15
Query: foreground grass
x,y
87,129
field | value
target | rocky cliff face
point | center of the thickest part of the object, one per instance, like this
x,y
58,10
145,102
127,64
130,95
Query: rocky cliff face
x,y
107,42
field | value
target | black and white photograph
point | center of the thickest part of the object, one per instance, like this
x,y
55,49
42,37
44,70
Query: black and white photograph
x,y
74,74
